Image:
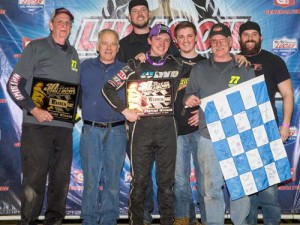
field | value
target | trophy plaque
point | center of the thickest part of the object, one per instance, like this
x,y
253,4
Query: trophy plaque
x,y
150,97
58,98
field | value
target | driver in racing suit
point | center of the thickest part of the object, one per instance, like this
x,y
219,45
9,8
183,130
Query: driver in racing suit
x,y
151,131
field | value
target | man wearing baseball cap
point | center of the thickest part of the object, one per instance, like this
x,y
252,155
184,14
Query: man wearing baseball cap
x,y
46,141
208,77
62,10
150,132
136,42
130,46
277,79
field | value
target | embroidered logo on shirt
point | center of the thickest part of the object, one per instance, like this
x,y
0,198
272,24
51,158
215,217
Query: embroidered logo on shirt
x,y
74,65
234,79
183,83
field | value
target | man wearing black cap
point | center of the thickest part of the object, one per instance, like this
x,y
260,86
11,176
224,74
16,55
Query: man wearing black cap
x,y
136,41
208,77
46,142
148,132
277,79
130,46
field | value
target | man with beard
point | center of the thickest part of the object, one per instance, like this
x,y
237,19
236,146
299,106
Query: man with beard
x,y
136,42
130,46
277,79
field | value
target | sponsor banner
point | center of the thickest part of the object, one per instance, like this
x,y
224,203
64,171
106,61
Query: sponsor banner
x,y
31,6
26,20
285,47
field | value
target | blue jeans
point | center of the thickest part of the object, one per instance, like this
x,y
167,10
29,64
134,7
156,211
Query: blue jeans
x,y
268,200
187,146
101,162
213,189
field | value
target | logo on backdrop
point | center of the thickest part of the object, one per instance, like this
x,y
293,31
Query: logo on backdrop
x,y
203,15
78,175
284,3
285,47
31,6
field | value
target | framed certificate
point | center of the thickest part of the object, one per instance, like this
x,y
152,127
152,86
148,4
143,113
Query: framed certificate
x,y
58,98
150,97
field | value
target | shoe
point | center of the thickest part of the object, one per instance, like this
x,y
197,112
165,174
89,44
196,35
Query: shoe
x,y
181,221
53,221
196,223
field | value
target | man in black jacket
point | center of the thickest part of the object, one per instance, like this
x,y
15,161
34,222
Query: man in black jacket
x,y
146,133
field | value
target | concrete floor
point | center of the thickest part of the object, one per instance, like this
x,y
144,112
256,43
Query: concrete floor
x,y
156,222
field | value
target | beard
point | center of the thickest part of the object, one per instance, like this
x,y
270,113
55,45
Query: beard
x,y
140,26
252,51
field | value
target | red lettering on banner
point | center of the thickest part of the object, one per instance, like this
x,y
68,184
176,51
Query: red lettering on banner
x,y
4,188
31,2
86,40
2,100
85,43
75,188
17,144
285,45
16,56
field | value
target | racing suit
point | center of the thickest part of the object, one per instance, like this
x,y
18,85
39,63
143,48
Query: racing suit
x,y
158,132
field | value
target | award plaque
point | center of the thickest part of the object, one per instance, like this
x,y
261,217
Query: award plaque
x,y
58,98
150,97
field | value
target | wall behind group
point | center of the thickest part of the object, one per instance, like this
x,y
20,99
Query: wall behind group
x,y
24,20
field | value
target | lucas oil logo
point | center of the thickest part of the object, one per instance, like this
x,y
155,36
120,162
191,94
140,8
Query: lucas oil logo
x,y
31,6
285,47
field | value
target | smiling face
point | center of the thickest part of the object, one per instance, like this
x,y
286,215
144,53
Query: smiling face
x,y
159,44
139,16
108,46
220,46
61,28
250,42
186,39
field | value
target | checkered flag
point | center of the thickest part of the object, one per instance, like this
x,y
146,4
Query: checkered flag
x,y
246,138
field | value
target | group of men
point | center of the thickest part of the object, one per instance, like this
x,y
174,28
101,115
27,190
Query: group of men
x,y
168,140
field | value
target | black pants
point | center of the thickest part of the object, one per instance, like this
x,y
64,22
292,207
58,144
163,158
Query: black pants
x,y
45,151
146,134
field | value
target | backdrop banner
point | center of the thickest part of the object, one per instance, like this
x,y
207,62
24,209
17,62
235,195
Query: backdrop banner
x,y
24,20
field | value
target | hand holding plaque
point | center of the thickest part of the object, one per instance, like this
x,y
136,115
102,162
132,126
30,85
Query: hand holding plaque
x,y
58,98
150,97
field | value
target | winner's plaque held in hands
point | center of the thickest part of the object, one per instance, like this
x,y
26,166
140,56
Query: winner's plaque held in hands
x,y
58,98
151,97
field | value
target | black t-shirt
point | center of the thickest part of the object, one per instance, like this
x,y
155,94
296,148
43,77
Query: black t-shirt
x,y
181,114
274,70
